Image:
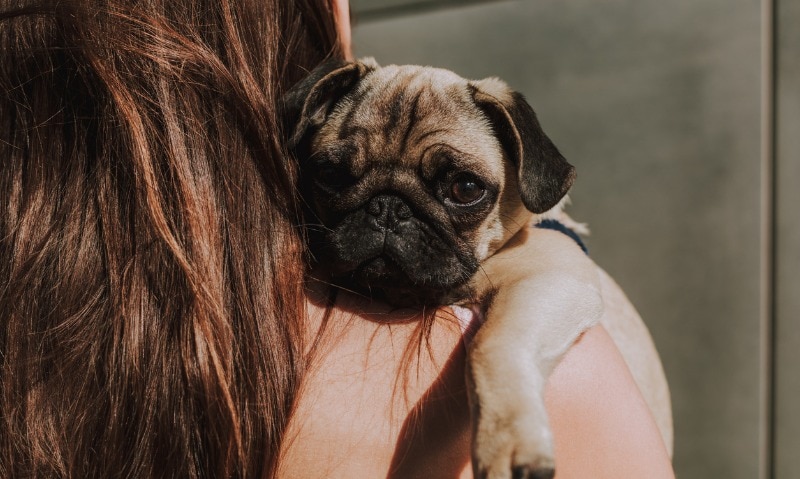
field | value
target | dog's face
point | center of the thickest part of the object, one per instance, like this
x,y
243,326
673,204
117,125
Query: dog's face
x,y
415,175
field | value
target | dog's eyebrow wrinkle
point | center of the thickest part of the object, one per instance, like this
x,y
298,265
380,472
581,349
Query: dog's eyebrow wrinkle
x,y
427,134
412,120
429,169
440,144
346,128
395,105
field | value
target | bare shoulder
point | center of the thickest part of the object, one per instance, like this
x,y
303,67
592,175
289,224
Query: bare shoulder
x,y
601,423
360,415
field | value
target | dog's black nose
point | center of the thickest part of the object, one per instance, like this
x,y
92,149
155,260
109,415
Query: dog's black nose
x,y
388,210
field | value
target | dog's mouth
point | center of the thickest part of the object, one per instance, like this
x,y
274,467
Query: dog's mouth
x,y
383,278
411,263
381,271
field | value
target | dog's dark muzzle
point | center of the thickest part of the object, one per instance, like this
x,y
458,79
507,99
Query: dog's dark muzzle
x,y
386,245
389,240
387,212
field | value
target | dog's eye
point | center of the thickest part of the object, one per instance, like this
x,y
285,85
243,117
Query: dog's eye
x,y
334,176
466,189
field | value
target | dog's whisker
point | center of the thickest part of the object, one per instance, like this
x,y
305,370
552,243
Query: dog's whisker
x,y
313,224
486,276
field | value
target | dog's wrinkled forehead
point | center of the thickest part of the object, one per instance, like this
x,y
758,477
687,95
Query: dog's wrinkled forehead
x,y
400,115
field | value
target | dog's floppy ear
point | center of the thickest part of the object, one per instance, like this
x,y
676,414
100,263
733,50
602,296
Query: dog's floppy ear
x,y
307,104
544,175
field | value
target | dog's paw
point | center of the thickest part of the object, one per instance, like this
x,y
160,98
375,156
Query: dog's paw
x,y
516,446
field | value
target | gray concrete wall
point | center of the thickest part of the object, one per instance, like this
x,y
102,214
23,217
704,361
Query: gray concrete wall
x,y
658,105
787,387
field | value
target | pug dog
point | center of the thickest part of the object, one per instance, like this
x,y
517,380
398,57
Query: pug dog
x,y
425,186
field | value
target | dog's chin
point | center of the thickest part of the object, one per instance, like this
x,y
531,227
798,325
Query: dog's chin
x,y
381,272
384,279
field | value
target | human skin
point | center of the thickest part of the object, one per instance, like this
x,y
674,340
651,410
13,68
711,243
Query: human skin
x,y
374,404
341,11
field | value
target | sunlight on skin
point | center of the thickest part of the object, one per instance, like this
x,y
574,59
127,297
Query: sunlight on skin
x,y
602,426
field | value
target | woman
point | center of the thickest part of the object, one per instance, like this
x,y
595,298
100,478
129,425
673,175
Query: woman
x,y
152,319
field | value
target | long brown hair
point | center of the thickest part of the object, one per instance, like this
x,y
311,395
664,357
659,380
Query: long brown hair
x,y
150,272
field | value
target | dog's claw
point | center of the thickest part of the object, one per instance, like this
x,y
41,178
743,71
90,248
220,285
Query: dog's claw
x,y
520,472
526,472
532,460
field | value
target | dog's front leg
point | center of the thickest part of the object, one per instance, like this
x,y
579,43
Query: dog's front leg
x,y
544,295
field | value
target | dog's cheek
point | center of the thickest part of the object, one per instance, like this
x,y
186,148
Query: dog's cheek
x,y
352,241
327,216
491,235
